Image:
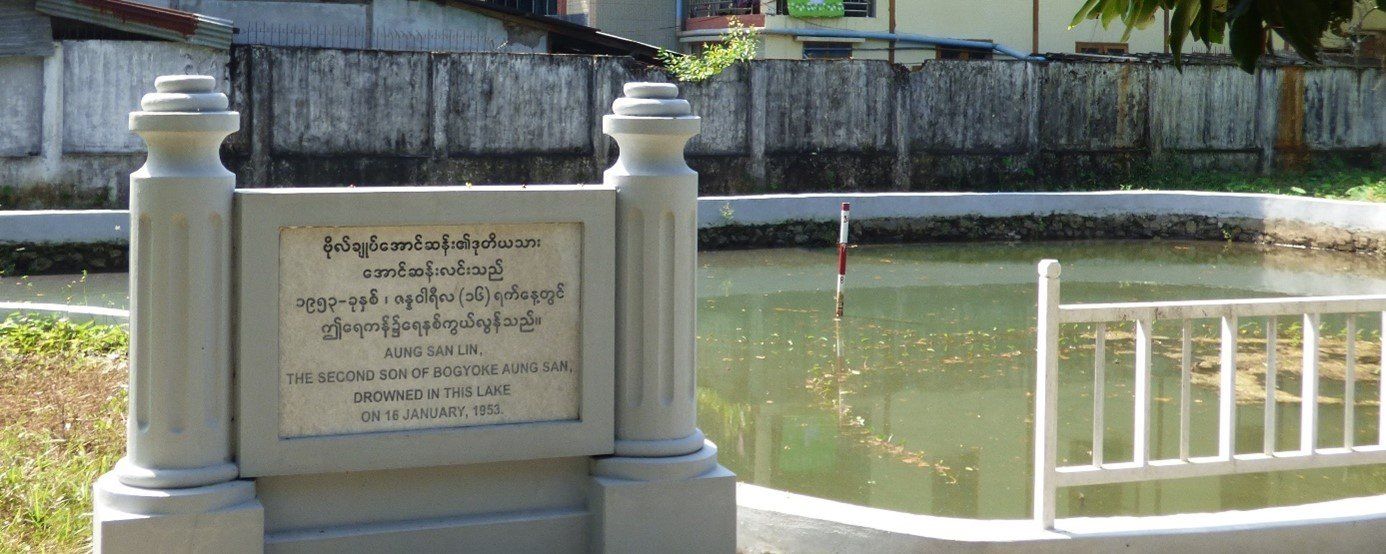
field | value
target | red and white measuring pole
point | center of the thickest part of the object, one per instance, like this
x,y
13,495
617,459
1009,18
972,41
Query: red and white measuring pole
x,y
842,255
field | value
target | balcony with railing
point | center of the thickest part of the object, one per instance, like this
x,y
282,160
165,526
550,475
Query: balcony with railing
x,y
722,8
718,14
536,7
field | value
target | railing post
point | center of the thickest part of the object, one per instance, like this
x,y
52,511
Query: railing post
x,y
1227,388
1309,387
663,486
1046,392
1185,392
1269,416
1350,385
176,489
1140,441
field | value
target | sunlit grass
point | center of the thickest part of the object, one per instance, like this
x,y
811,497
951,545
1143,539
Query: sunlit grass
x,y
1346,184
62,404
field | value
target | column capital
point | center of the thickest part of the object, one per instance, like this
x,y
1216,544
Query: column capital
x,y
183,123
651,125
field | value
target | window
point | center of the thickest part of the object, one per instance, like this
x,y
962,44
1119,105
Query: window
x,y
827,50
1102,48
966,54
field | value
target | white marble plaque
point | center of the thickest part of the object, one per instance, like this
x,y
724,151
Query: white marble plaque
x,y
426,327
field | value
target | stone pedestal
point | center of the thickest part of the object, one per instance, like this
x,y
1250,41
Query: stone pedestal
x,y
664,504
663,489
176,489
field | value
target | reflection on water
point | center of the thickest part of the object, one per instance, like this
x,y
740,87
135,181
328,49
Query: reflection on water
x,y
920,399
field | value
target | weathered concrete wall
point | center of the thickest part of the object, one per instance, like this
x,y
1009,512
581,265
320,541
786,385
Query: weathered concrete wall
x,y
340,117
351,102
21,106
1344,108
331,117
726,124
508,105
1095,119
780,126
81,154
103,81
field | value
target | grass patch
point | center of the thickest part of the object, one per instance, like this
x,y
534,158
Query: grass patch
x,y
1345,184
62,404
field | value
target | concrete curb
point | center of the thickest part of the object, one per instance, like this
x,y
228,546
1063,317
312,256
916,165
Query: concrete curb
x,y
65,226
776,521
771,209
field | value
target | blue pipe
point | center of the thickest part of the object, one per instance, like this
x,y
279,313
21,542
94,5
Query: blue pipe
x,y
898,37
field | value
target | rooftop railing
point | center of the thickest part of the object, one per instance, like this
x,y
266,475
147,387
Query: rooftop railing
x,y
1049,477
717,8
536,7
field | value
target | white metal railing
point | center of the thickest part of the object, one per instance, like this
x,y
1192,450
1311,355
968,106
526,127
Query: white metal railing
x,y
1143,315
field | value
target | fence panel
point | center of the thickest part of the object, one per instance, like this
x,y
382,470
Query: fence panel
x,y
1145,466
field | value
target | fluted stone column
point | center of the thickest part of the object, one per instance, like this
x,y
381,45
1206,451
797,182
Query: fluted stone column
x,y
663,489
176,489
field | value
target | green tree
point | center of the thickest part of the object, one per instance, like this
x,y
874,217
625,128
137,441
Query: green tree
x,y
1243,24
738,45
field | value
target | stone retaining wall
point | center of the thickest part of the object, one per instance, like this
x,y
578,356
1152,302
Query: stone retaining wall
x,y
28,258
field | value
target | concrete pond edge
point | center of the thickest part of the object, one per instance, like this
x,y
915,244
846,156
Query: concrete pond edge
x,y
33,242
772,520
811,219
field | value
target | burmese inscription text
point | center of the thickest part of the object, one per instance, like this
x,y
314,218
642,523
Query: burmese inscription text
x,y
424,327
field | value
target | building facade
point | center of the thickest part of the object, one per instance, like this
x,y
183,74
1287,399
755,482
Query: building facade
x,y
907,31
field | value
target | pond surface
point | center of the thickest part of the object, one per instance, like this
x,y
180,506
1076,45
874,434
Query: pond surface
x,y
102,290
920,399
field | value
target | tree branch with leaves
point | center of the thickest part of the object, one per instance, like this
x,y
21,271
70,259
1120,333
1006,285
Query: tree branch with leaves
x,y
739,44
1245,25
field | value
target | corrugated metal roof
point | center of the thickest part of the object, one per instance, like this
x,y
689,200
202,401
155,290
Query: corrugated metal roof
x,y
23,32
164,23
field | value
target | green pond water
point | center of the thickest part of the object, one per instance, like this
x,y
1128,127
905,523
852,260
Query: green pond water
x,y
926,406
102,290
920,399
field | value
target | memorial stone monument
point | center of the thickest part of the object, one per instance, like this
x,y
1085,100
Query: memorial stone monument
x,y
439,369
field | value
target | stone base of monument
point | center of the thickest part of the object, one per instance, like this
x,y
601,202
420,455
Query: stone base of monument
x,y
224,517
674,504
